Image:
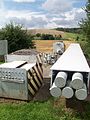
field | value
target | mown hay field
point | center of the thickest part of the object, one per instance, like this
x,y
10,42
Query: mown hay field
x,y
46,31
46,46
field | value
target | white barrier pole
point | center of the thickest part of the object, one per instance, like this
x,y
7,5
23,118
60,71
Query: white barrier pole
x,y
67,92
60,80
77,81
81,94
55,91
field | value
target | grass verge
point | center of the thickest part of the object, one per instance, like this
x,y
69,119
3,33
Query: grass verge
x,y
72,36
49,110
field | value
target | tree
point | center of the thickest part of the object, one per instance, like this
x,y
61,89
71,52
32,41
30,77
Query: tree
x,y
85,25
47,37
38,35
58,37
17,38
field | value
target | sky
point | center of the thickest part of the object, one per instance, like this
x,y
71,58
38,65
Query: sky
x,y
49,14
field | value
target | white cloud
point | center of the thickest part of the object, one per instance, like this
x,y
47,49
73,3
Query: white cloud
x,y
63,18
24,1
51,25
28,18
71,18
20,14
57,6
38,20
33,22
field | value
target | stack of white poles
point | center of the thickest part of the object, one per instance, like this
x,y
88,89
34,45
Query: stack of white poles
x,y
80,87
64,87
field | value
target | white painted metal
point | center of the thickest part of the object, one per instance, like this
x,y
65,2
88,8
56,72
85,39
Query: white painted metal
x,y
77,81
55,91
28,66
13,64
60,79
72,59
81,94
67,92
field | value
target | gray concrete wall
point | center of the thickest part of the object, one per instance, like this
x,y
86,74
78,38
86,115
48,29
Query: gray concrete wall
x,y
3,47
28,58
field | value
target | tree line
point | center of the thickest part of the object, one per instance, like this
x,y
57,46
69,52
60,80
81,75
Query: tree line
x,y
71,30
85,26
47,36
16,37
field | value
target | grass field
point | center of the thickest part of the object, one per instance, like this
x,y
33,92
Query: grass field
x,y
1,62
47,45
65,35
72,36
49,110
45,31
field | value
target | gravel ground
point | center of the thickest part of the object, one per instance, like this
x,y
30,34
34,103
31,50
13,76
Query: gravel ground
x,y
26,52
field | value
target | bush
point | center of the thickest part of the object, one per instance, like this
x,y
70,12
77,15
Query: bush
x,y
17,38
38,35
47,37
